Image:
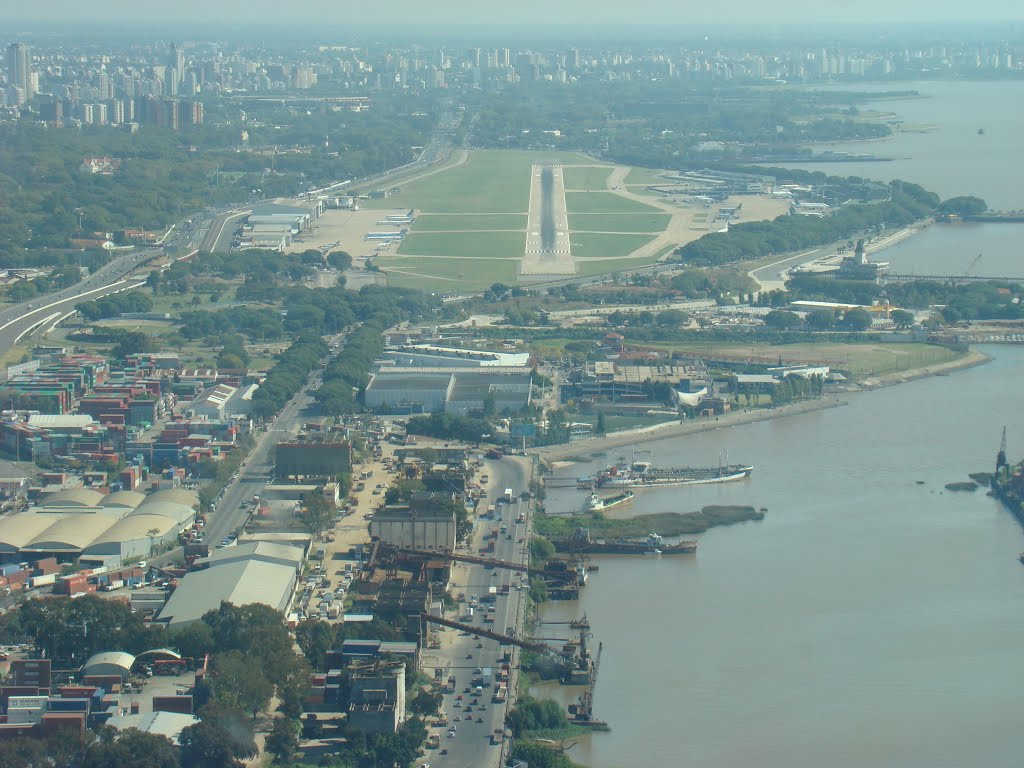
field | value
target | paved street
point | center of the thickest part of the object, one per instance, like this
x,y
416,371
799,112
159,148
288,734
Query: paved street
x,y
460,654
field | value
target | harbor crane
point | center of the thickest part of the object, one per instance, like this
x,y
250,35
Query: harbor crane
x,y
972,265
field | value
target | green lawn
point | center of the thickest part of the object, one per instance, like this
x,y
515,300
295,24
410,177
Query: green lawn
x,y
491,181
443,222
861,360
618,222
603,246
645,176
586,178
448,275
603,202
470,244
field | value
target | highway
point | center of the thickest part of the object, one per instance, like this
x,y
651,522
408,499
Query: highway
x,y
461,655
17,320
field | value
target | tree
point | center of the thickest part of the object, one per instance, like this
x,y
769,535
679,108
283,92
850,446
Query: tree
x,y
820,320
601,428
316,639
781,319
963,206
240,684
902,318
857,319
283,739
113,749
220,740
339,260
318,512
426,703
672,318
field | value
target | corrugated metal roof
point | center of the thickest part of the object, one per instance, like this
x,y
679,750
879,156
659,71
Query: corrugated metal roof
x,y
73,497
240,583
60,421
116,658
124,499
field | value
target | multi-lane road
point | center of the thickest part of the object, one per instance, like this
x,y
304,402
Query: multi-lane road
x,y
17,320
462,654
257,470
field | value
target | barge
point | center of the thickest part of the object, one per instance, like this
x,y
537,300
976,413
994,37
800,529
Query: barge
x,y
596,503
581,543
643,474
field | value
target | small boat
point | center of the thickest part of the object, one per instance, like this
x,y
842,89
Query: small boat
x,y
981,131
596,503
653,552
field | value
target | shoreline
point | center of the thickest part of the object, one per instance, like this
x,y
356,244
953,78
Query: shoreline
x,y
561,453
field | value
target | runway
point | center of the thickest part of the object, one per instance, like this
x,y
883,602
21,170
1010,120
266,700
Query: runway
x,y
548,251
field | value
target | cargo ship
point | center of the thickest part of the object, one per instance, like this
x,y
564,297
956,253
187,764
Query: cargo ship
x,y
643,474
596,503
653,544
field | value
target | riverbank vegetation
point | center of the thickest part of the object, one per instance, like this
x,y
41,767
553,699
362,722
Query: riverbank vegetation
x,y
540,719
664,523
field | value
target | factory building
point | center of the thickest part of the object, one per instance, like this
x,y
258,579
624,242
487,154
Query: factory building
x,y
420,524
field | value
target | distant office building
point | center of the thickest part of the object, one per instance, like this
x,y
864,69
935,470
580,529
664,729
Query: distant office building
x,y
19,68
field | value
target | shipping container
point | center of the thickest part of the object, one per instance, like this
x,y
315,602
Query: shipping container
x,y
47,580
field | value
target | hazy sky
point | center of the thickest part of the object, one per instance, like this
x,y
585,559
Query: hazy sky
x,y
338,13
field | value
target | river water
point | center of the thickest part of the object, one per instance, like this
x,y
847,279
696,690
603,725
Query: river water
x,y
952,160
873,618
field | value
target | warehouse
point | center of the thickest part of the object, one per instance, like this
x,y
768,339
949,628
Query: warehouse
x,y
388,392
109,664
430,356
211,403
261,573
459,391
85,525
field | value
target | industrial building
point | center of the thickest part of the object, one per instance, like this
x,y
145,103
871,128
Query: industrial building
x,y
258,572
421,524
611,382
431,356
85,525
459,391
312,459
109,664
211,403
377,698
